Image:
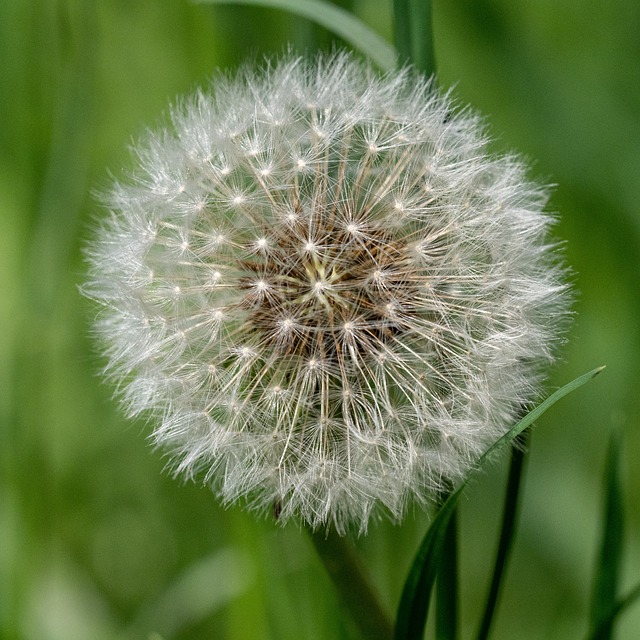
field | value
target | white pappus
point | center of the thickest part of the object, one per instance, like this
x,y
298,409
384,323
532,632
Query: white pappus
x,y
325,291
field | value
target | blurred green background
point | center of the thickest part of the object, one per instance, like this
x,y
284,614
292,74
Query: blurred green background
x,y
97,541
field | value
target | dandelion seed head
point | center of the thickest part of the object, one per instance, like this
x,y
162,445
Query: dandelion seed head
x,y
325,291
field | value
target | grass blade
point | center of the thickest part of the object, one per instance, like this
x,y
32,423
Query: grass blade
x,y
607,621
609,560
424,55
507,531
412,612
414,602
336,20
413,32
402,31
447,585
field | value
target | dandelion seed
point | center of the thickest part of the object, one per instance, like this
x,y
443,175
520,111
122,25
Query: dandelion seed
x,y
363,298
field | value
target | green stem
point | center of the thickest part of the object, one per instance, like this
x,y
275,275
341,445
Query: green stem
x,y
447,585
601,633
424,55
353,585
402,31
507,535
413,32
607,575
414,602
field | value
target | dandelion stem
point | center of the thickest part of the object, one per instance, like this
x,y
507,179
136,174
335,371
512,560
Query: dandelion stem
x,y
353,585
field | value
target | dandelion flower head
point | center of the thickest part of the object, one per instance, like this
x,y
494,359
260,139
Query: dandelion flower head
x,y
324,290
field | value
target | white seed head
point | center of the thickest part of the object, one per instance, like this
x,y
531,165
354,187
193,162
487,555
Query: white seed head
x,y
328,294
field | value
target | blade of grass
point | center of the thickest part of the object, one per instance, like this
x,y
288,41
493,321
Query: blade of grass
x,y
336,20
608,620
610,557
413,32
423,52
402,31
447,585
414,602
507,531
412,612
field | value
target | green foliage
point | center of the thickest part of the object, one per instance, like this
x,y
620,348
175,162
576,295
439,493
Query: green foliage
x,y
414,603
414,34
607,620
606,606
610,557
519,452
447,588
336,20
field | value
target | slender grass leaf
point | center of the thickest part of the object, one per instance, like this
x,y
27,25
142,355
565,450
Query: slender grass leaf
x,y
507,531
447,585
608,620
412,612
414,34
336,20
423,52
610,557
413,608
403,34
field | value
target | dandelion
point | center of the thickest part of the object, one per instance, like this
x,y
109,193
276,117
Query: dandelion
x,y
327,294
